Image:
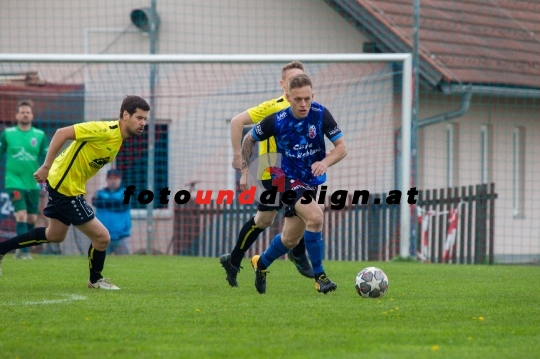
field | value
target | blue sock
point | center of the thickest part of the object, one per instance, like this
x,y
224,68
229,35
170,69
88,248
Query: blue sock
x,y
315,248
273,252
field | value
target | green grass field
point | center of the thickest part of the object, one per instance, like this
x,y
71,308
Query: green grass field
x,y
182,307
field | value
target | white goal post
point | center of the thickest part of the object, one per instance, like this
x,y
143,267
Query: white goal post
x,y
404,59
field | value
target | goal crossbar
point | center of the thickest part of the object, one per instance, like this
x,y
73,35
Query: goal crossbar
x,y
196,58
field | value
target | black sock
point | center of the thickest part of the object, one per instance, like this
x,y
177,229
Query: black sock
x,y
247,236
34,237
300,249
96,261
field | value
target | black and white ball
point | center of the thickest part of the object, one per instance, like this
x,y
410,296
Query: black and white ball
x,y
371,282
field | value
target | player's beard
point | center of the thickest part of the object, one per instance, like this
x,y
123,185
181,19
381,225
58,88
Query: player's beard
x,y
136,132
25,121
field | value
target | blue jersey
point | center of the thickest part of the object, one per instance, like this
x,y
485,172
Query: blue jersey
x,y
300,141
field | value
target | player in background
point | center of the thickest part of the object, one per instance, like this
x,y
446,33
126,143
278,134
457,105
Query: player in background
x,y
113,213
265,214
94,145
23,145
299,134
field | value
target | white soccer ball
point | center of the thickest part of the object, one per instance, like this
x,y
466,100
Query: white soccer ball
x,y
371,282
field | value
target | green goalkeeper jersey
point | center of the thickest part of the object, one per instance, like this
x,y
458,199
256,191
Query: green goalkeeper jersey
x,y
23,150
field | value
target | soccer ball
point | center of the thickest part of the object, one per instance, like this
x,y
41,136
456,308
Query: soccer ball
x,y
371,282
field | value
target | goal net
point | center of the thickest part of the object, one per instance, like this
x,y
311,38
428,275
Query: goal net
x,y
193,100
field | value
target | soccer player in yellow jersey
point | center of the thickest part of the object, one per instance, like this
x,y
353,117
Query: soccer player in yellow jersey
x,y
265,214
94,145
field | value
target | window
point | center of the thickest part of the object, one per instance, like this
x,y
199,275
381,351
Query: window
x,y
518,171
452,158
486,154
132,160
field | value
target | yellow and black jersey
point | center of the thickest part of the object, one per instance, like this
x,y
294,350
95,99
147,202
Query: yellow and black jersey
x,y
258,113
96,144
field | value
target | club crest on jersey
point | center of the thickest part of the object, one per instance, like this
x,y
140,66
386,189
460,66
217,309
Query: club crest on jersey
x,y
312,131
33,142
99,162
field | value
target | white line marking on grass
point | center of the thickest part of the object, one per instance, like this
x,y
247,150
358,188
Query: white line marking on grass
x,y
71,298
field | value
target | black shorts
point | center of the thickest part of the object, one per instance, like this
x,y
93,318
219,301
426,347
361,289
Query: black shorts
x,y
67,209
265,207
290,185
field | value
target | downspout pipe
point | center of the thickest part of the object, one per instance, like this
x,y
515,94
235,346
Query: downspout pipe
x,y
447,116
465,105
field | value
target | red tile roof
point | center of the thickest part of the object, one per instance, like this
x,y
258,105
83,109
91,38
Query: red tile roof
x,y
472,41
66,102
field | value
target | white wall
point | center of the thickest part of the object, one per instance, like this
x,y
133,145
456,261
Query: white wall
x,y
515,237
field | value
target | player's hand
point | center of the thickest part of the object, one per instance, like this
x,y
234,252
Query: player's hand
x,y
243,181
41,174
318,168
237,162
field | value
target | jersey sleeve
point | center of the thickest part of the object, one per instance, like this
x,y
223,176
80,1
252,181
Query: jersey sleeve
x,y
264,129
330,127
260,112
91,131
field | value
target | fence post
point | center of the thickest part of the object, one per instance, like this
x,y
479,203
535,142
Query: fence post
x,y
434,221
384,235
462,225
470,199
480,225
492,197
373,229
419,204
440,237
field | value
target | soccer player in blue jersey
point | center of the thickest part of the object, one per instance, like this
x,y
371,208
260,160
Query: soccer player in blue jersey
x,y
266,214
299,134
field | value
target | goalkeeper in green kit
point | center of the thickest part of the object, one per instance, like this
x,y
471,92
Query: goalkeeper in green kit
x,y
23,145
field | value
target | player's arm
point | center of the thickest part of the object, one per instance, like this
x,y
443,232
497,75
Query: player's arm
x,y
237,127
337,153
260,132
59,139
253,115
334,134
247,150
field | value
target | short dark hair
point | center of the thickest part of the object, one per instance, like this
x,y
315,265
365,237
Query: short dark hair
x,y
114,172
298,81
132,103
22,103
291,65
